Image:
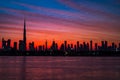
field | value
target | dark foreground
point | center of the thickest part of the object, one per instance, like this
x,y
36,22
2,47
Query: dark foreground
x,y
60,53
59,68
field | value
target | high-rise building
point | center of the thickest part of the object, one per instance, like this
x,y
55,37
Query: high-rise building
x,y
31,46
78,46
40,48
15,45
75,48
113,46
3,44
81,47
21,45
65,45
106,45
84,46
96,46
102,45
54,46
91,46
69,47
46,45
8,44
24,35
62,47
87,47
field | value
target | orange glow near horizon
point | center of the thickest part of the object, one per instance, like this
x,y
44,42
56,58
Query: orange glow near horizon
x,y
38,43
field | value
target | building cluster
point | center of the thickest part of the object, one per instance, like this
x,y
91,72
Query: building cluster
x,y
64,47
85,46
6,44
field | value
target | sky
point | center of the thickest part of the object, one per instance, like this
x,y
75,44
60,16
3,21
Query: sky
x,y
59,20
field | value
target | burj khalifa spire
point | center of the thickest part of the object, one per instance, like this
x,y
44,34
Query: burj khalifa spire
x,y
24,35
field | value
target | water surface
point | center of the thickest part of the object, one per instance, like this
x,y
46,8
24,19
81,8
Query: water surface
x,y
59,68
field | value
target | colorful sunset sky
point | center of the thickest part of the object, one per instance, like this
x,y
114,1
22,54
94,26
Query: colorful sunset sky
x,y
59,20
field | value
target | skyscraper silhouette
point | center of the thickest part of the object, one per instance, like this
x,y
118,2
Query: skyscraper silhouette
x,y
15,46
24,35
91,46
46,45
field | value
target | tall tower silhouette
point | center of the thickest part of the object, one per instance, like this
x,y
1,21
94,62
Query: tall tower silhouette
x,y
24,35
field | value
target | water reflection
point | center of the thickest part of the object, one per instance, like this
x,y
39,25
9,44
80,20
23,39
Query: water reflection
x,y
23,68
59,68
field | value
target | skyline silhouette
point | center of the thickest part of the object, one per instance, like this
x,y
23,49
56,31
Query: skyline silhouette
x,y
65,48
60,25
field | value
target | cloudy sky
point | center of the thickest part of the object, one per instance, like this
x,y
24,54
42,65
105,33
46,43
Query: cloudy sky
x,y
59,20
